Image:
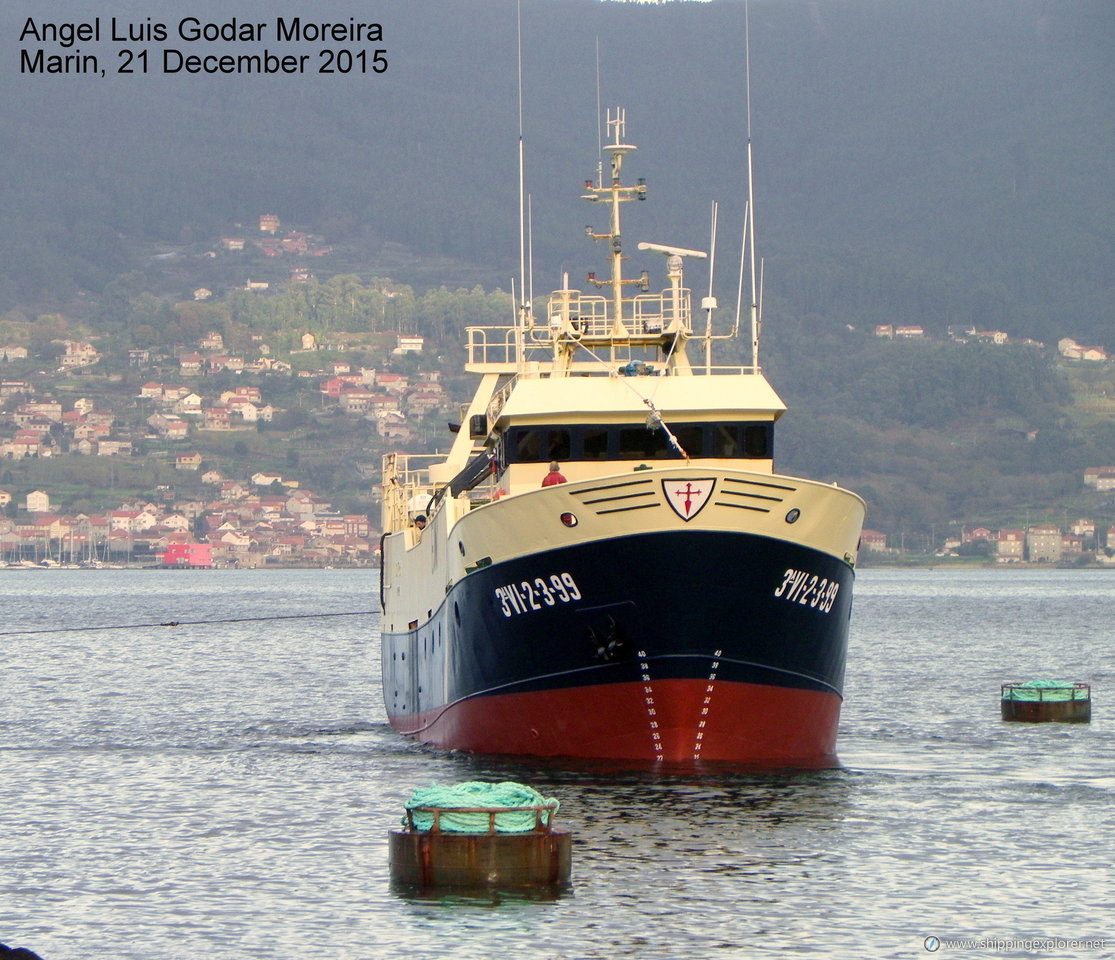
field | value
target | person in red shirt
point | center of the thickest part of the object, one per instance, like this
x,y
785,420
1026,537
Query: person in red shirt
x,y
554,476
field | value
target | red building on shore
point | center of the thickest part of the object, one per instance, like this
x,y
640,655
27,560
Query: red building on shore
x,y
194,555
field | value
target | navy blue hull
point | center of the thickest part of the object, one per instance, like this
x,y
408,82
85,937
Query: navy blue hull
x,y
649,608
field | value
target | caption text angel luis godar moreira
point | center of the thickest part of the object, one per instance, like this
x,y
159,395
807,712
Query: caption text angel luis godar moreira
x,y
104,46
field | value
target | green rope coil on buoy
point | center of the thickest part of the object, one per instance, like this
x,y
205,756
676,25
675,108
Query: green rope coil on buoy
x,y
474,793
1046,690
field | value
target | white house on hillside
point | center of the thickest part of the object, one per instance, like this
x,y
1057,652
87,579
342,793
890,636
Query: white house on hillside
x,y
37,502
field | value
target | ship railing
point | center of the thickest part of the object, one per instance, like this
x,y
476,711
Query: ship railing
x,y
571,316
570,313
499,398
590,318
665,312
543,817
724,370
494,345
1061,692
404,481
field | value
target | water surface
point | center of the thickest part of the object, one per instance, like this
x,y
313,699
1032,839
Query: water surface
x,y
226,789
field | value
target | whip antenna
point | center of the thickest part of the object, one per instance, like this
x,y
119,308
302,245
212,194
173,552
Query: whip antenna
x,y
755,313
599,125
709,303
524,308
742,270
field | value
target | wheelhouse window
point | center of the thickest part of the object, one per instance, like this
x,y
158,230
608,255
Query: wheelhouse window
x,y
756,441
595,443
639,443
690,437
749,441
726,440
540,444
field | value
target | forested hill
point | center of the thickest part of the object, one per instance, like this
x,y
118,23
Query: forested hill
x,y
923,163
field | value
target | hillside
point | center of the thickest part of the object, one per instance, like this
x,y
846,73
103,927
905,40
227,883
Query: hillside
x,y
924,163
934,433
939,434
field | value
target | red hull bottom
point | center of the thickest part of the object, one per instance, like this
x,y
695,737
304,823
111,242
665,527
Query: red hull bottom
x,y
674,721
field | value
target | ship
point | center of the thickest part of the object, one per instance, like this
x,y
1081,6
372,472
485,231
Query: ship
x,y
605,565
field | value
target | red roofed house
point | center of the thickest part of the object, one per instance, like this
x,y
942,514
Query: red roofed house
x,y
424,402
216,418
1010,546
175,392
873,540
392,382
248,393
191,364
187,461
356,524
29,443
1100,478
334,386
970,534
241,408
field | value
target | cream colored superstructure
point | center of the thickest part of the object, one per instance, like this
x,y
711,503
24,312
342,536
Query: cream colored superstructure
x,y
608,360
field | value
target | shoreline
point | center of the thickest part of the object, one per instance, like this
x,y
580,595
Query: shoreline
x,y
938,563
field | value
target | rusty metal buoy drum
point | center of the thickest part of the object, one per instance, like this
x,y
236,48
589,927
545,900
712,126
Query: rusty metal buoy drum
x,y
1046,701
538,860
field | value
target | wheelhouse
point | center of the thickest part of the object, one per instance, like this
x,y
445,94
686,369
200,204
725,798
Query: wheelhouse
x,y
742,440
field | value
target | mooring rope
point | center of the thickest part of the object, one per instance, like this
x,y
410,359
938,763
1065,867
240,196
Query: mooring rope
x,y
190,623
479,807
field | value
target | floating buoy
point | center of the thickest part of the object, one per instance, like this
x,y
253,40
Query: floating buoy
x,y
480,837
1045,701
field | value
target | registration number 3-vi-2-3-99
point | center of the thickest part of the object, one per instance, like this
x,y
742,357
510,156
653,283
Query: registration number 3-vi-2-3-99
x,y
808,589
537,594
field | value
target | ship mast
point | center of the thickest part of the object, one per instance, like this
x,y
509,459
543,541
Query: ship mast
x,y
525,305
614,193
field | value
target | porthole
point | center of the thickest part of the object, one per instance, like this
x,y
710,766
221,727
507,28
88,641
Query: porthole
x,y
792,516
569,519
